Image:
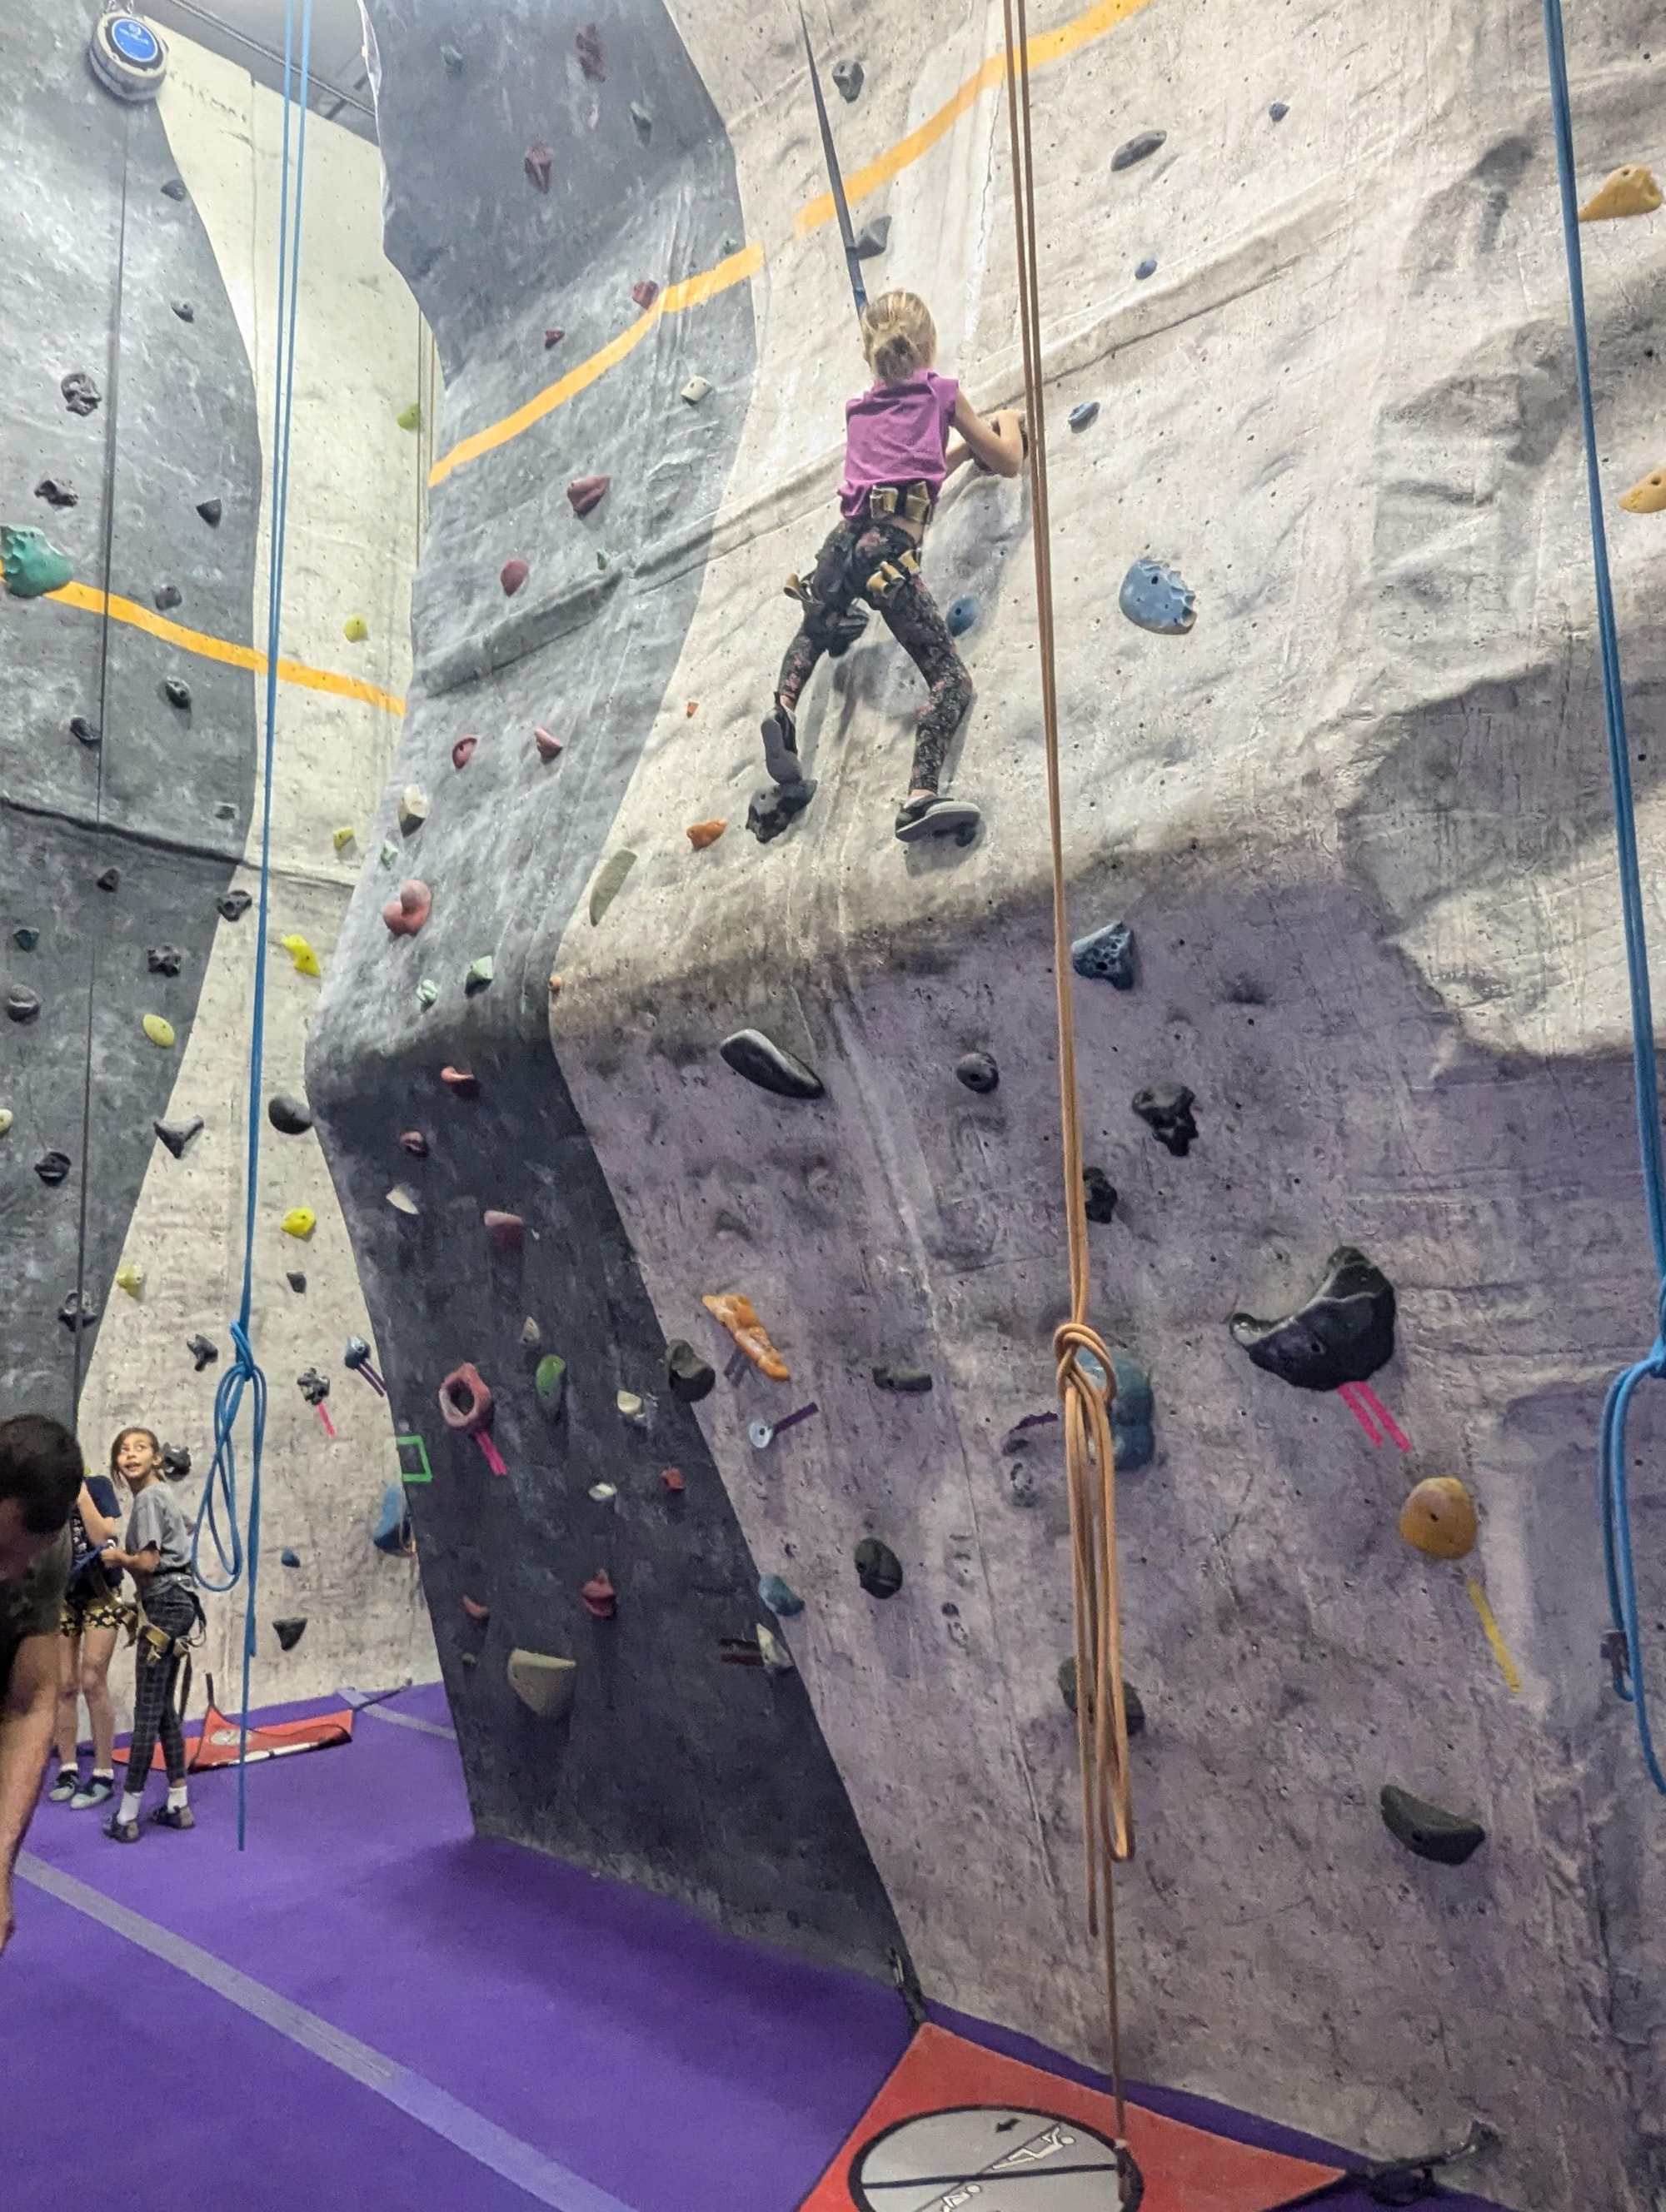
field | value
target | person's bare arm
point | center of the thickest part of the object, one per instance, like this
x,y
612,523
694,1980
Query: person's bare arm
x,y
137,1563
25,1737
996,445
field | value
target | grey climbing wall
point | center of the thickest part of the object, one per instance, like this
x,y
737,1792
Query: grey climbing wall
x,y
94,258
684,1766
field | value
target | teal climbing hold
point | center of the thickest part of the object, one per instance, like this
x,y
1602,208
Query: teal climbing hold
x,y
1157,597
392,1532
26,938
782,1599
961,614
289,1559
32,563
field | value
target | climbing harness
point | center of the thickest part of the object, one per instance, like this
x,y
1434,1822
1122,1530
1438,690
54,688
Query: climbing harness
x,y
914,500
1622,1650
853,261
242,1561
1087,1377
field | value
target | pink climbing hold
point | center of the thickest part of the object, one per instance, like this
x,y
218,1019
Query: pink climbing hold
x,y
415,1143
512,576
552,338
475,1610
504,1232
461,1082
672,1478
463,751
538,165
548,746
588,43
600,1598
405,912
588,492
646,292
465,1401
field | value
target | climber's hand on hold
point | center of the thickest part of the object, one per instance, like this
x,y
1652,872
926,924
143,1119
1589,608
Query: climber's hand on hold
x,y
997,446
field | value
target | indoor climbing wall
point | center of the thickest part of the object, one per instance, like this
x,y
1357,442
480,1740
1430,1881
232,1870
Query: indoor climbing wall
x,y
1330,723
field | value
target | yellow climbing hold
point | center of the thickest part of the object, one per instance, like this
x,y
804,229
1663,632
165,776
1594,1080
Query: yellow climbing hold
x,y
129,1279
159,1032
1647,498
342,838
303,954
300,1221
5,1119
1630,190
1439,1519
355,629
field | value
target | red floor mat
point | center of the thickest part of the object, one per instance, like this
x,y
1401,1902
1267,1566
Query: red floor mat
x,y
1187,2169
217,1744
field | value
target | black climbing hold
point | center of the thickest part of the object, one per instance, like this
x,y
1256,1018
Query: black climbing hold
x,y
978,1072
453,59
1133,1712
1106,956
907,1379
225,812
775,809
53,1167
878,1569
960,616
82,728
289,1632
164,597
1429,1830
1084,412
1167,1107
691,1378
1343,1334
313,1386
235,905
202,1351
295,1279
176,1135
176,691
288,1115
210,510
1137,149
751,1054
184,310
57,491
848,75
874,237
175,188
1145,268
1099,1194
286,1557
163,960
643,120
80,394
109,880
1279,110
176,1461
79,1313
26,938
22,1005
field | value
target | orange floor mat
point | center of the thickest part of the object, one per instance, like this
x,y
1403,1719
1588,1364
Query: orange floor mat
x,y
217,1744
1187,2169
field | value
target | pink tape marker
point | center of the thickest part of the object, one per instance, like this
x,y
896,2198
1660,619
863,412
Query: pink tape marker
x,y
1370,1399
489,1453
1345,1391
329,1425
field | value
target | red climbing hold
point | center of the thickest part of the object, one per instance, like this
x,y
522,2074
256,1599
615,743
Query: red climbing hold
x,y
461,1082
513,575
646,292
465,1402
504,1232
416,1143
672,1478
588,43
599,1595
476,1611
588,492
552,338
407,912
548,746
463,751
538,165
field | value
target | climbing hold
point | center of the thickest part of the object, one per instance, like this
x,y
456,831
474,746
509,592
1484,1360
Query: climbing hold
x,y
691,1378
225,811
1133,1712
409,908
874,237
848,75
775,809
550,1381
33,565
413,808
394,1533
403,1200
1099,1196
734,1311
645,293
52,1168
479,975
355,629
548,746
1629,190
505,1233
410,418
910,1380
1648,496
82,728
780,1597
176,1461
587,44
1343,1334
176,1135
463,751
288,1115
1132,1442
7,1117
166,596
289,1632
512,576
777,1659
286,1557
543,1684
79,1313
109,880
1157,597
878,1569
22,1005
960,616
643,120
235,905
177,692
633,1409
210,510
531,1335
600,1598
697,389
691,709
57,491
303,954
415,1143
672,1478
427,992
1084,412
295,1279
607,884
587,493
1430,1831
555,987
1167,1109
537,162
751,1054
1139,148
342,838
978,1072
80,394
1106,956
1144,268
553,337
300,1221
476,1612
175,189
130,1279
159,1032
26,938
461,1082
465,1402
701,834
451,58
1439,1519
1279,110
202,1351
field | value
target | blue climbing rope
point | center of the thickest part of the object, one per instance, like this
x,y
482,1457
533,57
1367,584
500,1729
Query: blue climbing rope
x,y
1623,1648
240,1560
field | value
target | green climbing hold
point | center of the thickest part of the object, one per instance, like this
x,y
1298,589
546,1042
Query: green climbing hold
x,y
552,1380
609,883
32,563
427,991
410,418
480,973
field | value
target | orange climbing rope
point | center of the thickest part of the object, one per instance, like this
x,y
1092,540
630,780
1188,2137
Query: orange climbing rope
x,y
1101,1717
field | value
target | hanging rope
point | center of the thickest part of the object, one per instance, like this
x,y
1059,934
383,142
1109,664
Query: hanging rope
x,y
1625,1648
1101,1717
238,1559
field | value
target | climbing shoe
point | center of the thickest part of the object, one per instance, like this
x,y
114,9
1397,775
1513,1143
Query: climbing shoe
x,y
173,1816
65,1787
92,1793
781,745
919,819
122,1832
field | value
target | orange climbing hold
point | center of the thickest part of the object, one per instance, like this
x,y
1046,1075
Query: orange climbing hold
x,y
555,987
1439,1519
736,1312
693,707
476,1611
672,1478
547,743
600,1598
461,1082
701,834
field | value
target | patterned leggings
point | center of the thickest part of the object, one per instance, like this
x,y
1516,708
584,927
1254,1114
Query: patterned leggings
x,y
170,1606
847,560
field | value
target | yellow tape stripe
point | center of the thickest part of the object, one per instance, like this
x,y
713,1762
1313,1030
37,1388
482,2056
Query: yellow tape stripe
x,y
198,642
1493,1633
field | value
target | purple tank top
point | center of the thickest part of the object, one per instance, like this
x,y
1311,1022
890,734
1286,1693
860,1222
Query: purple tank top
x,y
897,433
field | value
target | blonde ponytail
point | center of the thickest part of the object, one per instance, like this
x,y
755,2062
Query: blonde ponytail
x,y
898,336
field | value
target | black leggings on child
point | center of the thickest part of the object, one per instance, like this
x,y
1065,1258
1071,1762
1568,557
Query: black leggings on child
x,y
171,1607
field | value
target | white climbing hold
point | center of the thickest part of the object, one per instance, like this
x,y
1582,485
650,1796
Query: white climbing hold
x,y
402,1200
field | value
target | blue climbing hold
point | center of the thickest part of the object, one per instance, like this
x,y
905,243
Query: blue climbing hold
x,y
782,1599
289,1559
1131,1440
1145,268
392,1530
1106,956
1084,412
961,614
1279,110
1157,597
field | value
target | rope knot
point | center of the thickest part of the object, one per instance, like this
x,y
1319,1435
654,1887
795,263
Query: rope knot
x,y
1070,1339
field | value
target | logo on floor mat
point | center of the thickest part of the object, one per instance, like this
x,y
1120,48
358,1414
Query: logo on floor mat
x,y
975,2156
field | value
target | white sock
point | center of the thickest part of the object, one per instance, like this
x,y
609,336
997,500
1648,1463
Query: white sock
x,y
104,1774
131,1801
176,1797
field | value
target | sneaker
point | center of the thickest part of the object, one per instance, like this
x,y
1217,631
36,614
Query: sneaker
x,y
173,1816
68,1783
780,746
93,1793
122,1832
